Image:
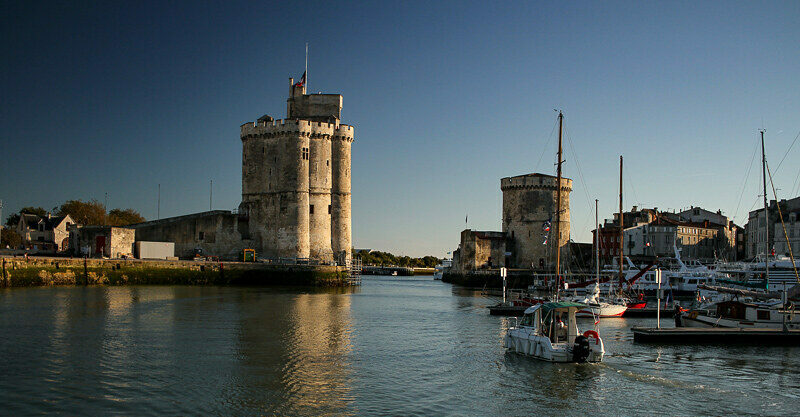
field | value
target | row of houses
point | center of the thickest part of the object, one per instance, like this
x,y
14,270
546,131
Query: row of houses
x,y
649,233
62,235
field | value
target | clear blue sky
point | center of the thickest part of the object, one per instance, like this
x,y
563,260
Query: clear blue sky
x,y
446,97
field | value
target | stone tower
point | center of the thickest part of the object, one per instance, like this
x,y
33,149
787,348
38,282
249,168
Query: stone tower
x,y
528,203
296,179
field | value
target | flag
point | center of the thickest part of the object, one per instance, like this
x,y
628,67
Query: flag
x,y
546,225
466,218
302,81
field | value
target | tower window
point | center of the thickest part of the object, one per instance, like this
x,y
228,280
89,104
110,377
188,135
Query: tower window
x,y
328,162
329,209
201,236
305,153
311,209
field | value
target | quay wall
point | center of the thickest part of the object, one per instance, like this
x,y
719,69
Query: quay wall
x,y
18,272
489,278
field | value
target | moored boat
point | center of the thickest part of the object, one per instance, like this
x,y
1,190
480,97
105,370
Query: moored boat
x,y
549,332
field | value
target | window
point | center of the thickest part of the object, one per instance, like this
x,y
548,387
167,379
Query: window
x,y
329,209
311,209
763,314
305,153
201,236
328,163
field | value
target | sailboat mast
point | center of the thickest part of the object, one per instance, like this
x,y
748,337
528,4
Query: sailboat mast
x,y
597,242
621,225
558,205
766,213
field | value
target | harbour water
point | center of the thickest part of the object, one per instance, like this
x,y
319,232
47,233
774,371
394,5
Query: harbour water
x,y
394,346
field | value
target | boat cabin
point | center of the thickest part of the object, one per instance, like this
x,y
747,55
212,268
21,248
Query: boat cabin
x,y
555,320
748,312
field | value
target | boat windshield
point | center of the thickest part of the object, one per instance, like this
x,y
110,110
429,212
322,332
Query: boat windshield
x,y
527,320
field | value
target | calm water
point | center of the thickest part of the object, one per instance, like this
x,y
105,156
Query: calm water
x,y
392,347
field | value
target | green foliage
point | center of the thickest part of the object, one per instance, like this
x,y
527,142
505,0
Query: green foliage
x,y
10,238
90,213
385,258
119,217
33,210
13,219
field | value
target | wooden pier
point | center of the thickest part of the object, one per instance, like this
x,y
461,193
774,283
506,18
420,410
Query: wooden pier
x,y
716,335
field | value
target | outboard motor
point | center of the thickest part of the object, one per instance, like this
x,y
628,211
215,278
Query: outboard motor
x,y
581,349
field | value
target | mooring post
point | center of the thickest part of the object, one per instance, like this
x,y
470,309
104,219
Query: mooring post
x,y
85,271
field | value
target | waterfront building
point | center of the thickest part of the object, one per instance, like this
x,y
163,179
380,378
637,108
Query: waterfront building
x,y
296,200
528,237
47,233
296,179
529,218
648,233
756,228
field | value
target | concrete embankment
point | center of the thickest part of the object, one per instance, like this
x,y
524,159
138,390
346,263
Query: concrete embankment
x,y
19,272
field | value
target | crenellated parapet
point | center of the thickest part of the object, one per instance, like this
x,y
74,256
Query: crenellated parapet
x,y
294,127
344,132
535,182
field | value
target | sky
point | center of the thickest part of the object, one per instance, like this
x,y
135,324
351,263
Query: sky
x,y
446,98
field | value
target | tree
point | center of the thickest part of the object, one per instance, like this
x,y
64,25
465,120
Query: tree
x,y
13,219
10,238
119,217
90,213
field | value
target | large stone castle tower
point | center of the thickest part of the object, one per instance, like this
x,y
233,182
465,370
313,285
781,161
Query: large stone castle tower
x,y
296,179
529,201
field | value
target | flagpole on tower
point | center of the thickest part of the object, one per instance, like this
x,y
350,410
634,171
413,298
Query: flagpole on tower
x,y
306,66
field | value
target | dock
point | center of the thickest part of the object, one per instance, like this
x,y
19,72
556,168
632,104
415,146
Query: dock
x,y
716,335
501,310
648,312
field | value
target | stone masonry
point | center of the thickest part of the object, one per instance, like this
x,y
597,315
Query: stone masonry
x,y
529,201
296,179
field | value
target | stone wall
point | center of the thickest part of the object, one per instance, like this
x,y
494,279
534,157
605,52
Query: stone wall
x,y
480,250
115,242
296,180
528,202
215,233
19,272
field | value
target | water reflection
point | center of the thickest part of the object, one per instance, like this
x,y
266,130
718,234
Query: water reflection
x,y
293,355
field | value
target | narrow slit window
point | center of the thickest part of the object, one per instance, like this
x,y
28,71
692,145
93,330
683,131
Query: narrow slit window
x,y
311,209
329,209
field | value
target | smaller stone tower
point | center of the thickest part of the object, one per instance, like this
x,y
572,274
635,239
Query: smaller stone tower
x,y
528,203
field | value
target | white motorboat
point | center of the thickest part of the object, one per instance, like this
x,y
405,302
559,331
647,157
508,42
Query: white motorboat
x,y
439,269
549,332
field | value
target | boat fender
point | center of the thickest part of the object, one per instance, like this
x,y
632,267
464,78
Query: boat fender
x,y
592,333
581,349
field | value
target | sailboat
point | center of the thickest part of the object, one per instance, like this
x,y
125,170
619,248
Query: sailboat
x,y
549,331
773,311
597,307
